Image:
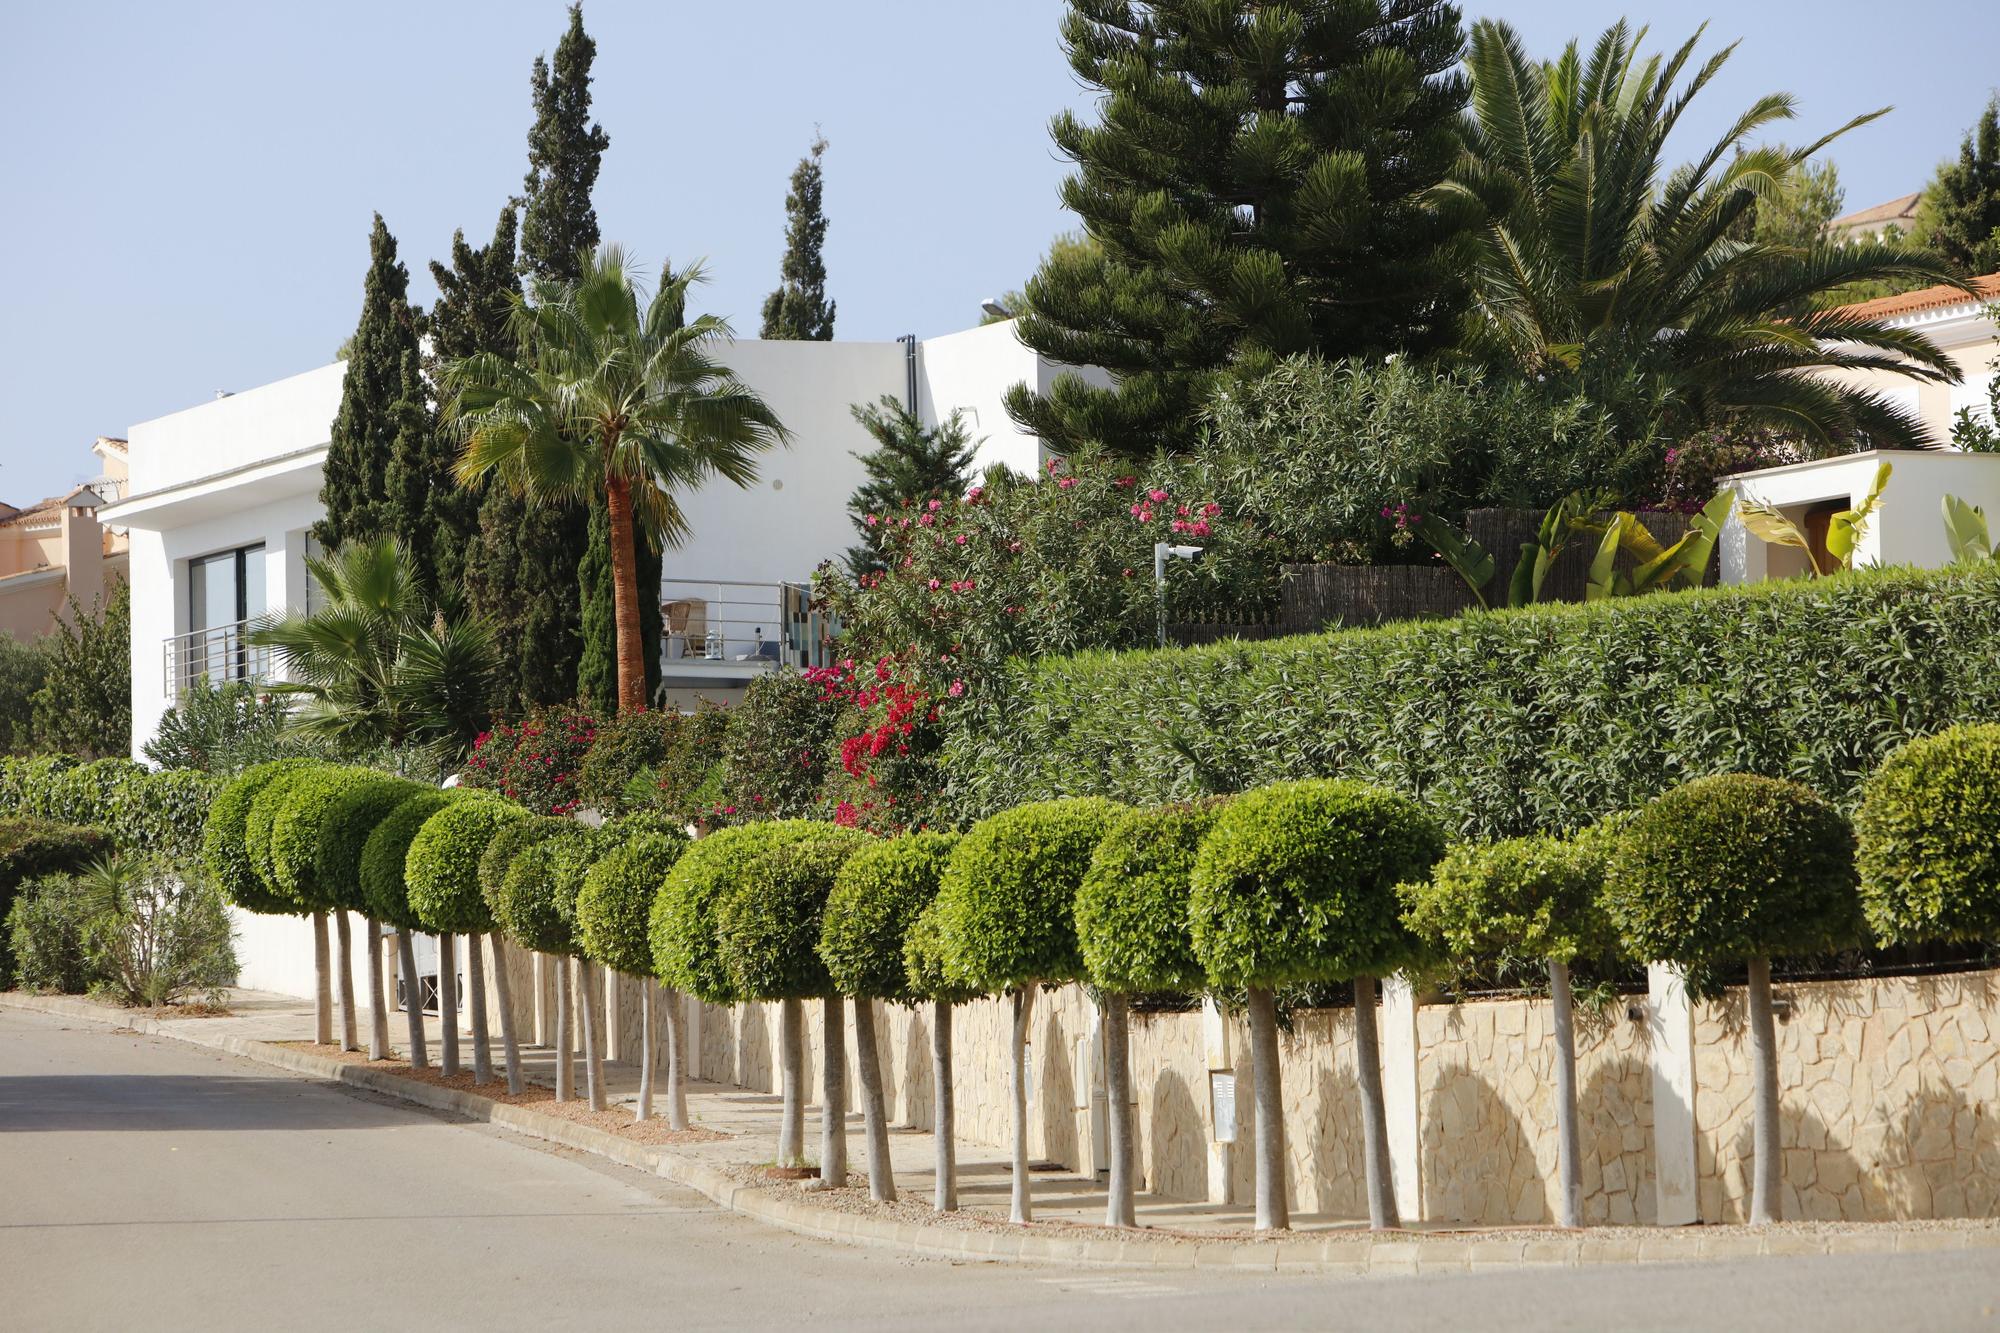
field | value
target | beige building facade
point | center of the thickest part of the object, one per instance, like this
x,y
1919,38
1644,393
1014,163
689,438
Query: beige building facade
x,y
56,549
1963,327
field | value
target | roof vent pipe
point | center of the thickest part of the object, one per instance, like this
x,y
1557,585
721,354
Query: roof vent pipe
x,y
909,341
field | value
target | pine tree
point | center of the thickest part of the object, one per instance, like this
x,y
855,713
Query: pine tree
x,y
799,309
910,464
377,396
1960,214
1258,184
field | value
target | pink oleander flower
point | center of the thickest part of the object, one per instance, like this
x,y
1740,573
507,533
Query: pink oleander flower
x,y
960,539
871,520
1158,497
935,505
1066,483
934,585
957,689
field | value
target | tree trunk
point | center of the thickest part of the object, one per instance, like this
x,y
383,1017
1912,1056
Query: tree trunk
x,y
565,1070
322,983
593,1035
791,1075
1274,1212
677,1056
504,993
645,1111
378,1009
1766,1163
1118,1206
944,1110
1374,1118
413,999
833,1094
1022,1204
350,1023
874,1106
625,595
1569,1151
448,1004
475,980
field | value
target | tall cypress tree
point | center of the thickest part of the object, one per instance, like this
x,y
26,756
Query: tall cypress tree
x,y
1257,185
382,396
1960,216
799,310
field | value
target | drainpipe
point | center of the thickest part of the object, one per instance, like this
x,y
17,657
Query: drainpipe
x,y
909,341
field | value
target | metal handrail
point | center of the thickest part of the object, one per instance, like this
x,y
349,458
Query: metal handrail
x,y
734,624
219,653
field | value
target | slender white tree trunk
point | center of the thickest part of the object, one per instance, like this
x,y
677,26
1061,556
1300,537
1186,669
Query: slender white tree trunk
x,y
1374,1119
1766,1164
378,1009
482,1046
1022,1204
833,1094
350,1025
1118,1205
448,1004
645,1111
1569,1158
413,1000
504,992
565,1071
1274,1212
673,1005
944,1110
322,983
791,1077
593,1036
874,1106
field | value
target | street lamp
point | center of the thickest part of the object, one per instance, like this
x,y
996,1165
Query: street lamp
x,y
992,309
1162,553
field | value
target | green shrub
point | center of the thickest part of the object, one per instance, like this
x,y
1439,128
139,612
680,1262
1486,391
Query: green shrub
x,y
28,785
263,817
1006,906
384,856
686,950
31,849
1513,722
626,746
351,816
767,923
524,902
876,899
1297,882
442,866
1132,907
298,820
536,761
225,849
93,793
1929,839
926,964
157,936
47,928
614,909
1515,902
168,811
1734,867
780,745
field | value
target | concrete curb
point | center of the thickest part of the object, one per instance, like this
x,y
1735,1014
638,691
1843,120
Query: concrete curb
x,y
1352,1256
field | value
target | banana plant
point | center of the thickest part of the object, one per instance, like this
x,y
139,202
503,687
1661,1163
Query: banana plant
x,y
1656,566
1965,529
1471,561
1844,530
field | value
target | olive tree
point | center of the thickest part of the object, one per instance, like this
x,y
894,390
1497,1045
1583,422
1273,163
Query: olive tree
x,y
387,894
1526,899
1006,912
226,852
876,899
443,877
523,898
767,930
1132,930
1297,882
613,912
1733,869
1928,833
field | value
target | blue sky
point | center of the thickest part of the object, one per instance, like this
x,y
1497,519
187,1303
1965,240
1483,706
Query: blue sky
x,y
189,185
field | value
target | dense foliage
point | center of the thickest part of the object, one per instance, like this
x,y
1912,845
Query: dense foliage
x,y
305,841
1515,902
877,897
1928,827
1960,214
31,849
1132,907
536,761
441,868
1006,906
799,308
523,900
768,921
686,950
225,850
615,906
226,729
383,857
910,465
84,702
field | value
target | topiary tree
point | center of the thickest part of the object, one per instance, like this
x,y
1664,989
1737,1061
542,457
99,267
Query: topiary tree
x,y
613,911
925,961
1928,830
263,812
1005,911
351,815
768,923
523,900
686,952
442,873
567,868
1730,869
386,891
876,899
1297,882
1132,931
1536,898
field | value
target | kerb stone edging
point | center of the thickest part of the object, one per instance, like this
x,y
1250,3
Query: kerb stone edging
x,y
1393,1255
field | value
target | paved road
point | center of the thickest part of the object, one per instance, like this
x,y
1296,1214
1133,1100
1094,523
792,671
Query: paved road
x,y
148,1184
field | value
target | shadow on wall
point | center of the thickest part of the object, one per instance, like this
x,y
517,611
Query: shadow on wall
x,y
1823,1180
1476,1162
1944,1161
1174,1153
915,1110
1615,1133
1055,1093
756,1058
1335,1155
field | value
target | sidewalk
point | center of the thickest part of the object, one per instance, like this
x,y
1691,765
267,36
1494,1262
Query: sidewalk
x,y
734,1136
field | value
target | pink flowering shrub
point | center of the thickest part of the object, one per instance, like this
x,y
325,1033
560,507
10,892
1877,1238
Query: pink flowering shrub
x,y
536,761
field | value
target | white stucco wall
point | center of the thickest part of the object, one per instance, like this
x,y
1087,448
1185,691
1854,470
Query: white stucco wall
x,y
253,426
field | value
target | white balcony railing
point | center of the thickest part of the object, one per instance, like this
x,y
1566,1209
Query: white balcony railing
x,y
221,653
730,628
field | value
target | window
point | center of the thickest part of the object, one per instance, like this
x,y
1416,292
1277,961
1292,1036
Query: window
x,y
225,588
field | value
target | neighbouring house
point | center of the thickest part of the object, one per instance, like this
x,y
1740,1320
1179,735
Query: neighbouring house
x,y
1868,224
59,548
1963,326
223,497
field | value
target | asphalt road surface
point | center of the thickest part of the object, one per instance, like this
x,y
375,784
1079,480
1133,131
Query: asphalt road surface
x,y
148,1184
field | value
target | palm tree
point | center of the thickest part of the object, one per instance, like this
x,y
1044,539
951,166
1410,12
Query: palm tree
x,y
605,394
1596,259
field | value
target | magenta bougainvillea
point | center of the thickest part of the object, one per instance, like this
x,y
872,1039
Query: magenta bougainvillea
x,y
535,761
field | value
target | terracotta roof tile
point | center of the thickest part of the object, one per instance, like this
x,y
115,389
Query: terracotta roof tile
x,y
1930,298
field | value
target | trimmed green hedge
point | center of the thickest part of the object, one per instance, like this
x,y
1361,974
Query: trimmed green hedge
x,y
1132,908
615,906
441,869
1516,901
876,898
1510,722
225,844
1929,832
346,826
524,899
384,857
298,824
160,812
265,806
